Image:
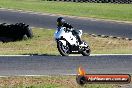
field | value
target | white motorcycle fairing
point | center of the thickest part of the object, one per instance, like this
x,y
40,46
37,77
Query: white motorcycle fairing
x,y
67,35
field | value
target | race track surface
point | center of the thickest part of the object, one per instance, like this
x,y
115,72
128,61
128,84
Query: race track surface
x,y
89,26
58,65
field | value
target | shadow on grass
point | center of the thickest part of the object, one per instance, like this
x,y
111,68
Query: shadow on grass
x,y
71,55
6,40
42,54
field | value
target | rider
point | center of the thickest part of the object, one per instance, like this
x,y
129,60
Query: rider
x,y
62,23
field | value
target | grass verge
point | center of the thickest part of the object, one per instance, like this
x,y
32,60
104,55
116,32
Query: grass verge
x,y
92,10
43,43
47,82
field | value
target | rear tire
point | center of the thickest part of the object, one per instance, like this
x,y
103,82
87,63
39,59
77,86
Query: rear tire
x,y
87,50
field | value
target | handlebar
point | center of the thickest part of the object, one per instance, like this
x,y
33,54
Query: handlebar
x,y
67,29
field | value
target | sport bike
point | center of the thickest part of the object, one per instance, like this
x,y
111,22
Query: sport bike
x,y
67,43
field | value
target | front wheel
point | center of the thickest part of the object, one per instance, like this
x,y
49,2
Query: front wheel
x,y
63,49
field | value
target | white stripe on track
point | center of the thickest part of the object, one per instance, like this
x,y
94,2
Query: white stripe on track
x,y
39,75
110,54
77,55
14,55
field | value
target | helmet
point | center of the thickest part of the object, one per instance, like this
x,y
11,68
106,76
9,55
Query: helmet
x,y
60,21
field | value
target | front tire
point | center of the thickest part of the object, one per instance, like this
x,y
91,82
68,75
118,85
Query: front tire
x,y
64,50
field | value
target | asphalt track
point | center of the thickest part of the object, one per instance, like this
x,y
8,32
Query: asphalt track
x,y
53,65
49,21
58,65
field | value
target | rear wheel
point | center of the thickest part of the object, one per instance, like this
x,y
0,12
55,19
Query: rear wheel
x,y
63,49
86,51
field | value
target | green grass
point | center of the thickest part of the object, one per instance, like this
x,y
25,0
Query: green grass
x,y
47,82
43,43
92,10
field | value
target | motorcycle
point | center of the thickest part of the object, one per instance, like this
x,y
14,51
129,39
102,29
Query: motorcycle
x,y
67,43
